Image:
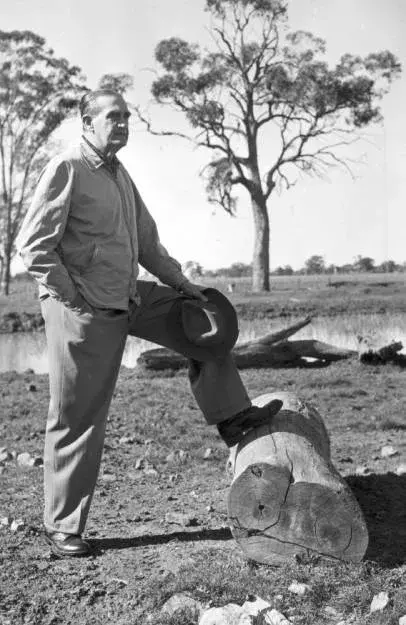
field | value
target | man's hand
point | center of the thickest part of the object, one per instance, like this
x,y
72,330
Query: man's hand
x,y
193,290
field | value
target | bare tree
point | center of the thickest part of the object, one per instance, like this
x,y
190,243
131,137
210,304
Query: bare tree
x,y
37,92
266,105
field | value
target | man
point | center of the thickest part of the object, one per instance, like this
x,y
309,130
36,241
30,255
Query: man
x,y
84,235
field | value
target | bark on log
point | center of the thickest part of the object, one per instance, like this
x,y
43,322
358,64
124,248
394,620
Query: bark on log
x,y
286,499
271,350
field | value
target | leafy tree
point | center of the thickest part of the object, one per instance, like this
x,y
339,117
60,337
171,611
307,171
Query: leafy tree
x,y
388,266
364,264
266,105
236,270
37,93
119,82
192,269
284,271
315,264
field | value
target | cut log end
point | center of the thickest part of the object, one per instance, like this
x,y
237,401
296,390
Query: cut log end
x,y
286,498
274,518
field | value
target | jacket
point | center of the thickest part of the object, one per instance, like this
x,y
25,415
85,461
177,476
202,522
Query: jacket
x,y
87,230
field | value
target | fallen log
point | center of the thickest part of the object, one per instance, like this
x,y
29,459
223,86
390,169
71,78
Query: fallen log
x,y
286,499
271,350
372,353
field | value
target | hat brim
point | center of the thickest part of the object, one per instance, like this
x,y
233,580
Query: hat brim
x,y
199,352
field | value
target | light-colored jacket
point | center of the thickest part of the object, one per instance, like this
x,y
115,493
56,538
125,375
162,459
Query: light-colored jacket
x,y
86,231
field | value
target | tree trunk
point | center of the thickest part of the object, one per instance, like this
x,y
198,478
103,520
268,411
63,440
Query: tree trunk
x,y
286,499
260,262
7,272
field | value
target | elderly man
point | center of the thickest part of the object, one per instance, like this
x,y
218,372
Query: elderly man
x,y
84,236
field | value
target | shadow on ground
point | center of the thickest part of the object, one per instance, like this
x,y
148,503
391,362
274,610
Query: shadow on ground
x,y
383,502
382,498
102,544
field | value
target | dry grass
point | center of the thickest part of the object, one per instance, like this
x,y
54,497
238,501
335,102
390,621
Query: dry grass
x,y
141,559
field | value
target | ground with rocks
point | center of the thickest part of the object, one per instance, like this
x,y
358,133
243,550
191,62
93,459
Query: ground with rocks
x,y
163,552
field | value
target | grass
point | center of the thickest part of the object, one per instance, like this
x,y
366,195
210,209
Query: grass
x,y
142,560
289,295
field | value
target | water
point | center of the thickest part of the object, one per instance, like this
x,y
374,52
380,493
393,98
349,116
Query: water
x,y
27,350
23,351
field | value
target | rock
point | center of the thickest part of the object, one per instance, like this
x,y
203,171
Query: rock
x,y
255,605
126,440
25,459
109,477
401,469
172,478
17,525
178,455
247,614
140,463
5,454
379,602
5,521
331,611
231,614
150,470
362,470
388,451
181,601
177,518
298,588
402,620
273,617
208,453
209,508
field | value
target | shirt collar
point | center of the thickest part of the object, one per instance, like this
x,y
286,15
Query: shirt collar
x,y
96,158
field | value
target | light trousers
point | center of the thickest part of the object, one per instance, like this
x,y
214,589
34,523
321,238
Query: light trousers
x,y
84,354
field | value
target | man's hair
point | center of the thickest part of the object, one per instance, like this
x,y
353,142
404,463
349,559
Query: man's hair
x,y
88,103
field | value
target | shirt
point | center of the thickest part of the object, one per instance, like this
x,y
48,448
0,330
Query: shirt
x,y
87,229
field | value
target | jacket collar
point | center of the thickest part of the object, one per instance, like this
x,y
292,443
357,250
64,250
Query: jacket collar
x,y
96,159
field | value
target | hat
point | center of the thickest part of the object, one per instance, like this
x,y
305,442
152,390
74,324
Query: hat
x,y
204,330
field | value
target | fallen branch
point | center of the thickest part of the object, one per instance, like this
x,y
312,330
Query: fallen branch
x,y
271,350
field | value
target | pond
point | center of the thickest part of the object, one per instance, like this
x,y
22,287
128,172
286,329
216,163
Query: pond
x,y
22,351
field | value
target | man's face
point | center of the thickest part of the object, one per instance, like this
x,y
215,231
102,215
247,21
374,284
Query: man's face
x,y
107,126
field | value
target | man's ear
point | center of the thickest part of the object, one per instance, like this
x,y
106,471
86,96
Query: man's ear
x,y
87,123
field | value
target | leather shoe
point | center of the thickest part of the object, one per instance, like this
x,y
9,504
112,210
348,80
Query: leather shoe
x,y
70,545
232,430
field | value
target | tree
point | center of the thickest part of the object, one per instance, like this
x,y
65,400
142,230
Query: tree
x,y
364,264
119,82
284,271
192,269
266,105
315,264
388,266
38,91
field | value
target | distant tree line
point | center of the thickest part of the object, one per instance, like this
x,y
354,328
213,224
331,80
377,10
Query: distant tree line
x,y
312,266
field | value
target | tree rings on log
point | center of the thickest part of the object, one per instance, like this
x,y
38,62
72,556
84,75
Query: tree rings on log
x,y
286,498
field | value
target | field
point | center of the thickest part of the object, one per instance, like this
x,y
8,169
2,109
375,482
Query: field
x,y
158,523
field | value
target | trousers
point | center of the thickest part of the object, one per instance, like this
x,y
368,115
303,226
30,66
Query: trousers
x,y
84,356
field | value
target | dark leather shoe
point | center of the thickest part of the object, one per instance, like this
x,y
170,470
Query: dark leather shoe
x,y
70,545
232,430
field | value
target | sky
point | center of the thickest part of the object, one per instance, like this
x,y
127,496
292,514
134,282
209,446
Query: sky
x,y
338,218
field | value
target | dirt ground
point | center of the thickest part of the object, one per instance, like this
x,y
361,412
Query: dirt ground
x,y
158,523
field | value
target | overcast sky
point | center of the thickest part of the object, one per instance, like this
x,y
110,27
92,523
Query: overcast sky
x,y
338,219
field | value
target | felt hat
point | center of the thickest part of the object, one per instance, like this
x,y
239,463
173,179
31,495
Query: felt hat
x,y
204,330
